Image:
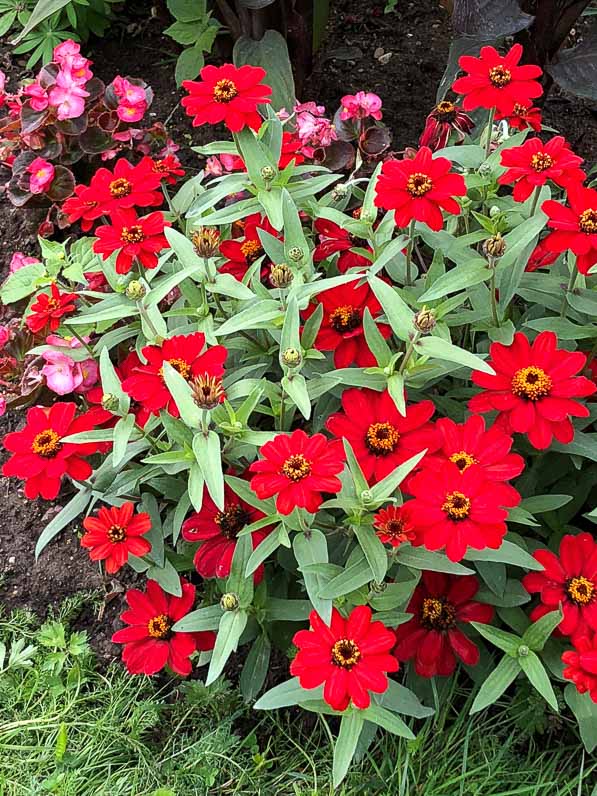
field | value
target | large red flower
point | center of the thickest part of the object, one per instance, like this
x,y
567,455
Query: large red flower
x,y
419,189
40,456
581,665
242,252
456,510
351,656
114,534
534,163
48,308
341,329
522,117
298,468
441,604
575,226
125,187
149,642
533,388
146,383
227,94
497,81
444,119
380,436
332,239
217,530
133,238
570,580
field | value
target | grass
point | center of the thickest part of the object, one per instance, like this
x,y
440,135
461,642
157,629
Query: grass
x,y
67,728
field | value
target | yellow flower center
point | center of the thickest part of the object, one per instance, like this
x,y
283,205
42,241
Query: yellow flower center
x,y
587,221
225,90
159,626
445,111
46,443
116,533
251,250
581,590
437,614
394,528
463,460
541,161
531,382
457,506
500,76
345,319
207,391
232,520
120,188
381,438
296,467
418,184
132,234
345,653
519,110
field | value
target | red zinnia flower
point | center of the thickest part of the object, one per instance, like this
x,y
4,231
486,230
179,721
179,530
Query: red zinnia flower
x,y
133,238
332,239
533,163
241,253
541,257
581,665
393,526
533,388
94,397
297,469
48,308
444,119
149,643
39,455
433,637
227,94
456,510
419,189
290,150
341,329
575,226
218,531
115,533
570,580
82,206
169,168
522,117
146,383
127,186
351,656
497,81
380,436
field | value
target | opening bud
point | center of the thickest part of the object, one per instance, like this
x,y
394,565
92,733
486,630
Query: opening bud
x,y
292,358
206,241
229,601
296,254
135,290
281,275
424,321
494,247
208,391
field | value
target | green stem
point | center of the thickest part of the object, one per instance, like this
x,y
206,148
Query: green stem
x,y
147,320
569,289
494,309
409,252
535,200
281,422
408,353
489,132
83,343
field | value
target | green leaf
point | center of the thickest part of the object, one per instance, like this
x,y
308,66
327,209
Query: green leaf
x,y
190,62
238,583
230,630
287,694
507,642
278,610
70,512
256,668
43,9
375,340
438,348
255,156
494,686
208,455
538,677
468,155
389,721
311,548
585,711
167,577
180,390
351,578
254,316
538,504
419,558
295,387
111,382
459,278
351,725
397,394
271,53
360,482
402,700
388,485
507,553
196,486
374,551
201,619
538,633
399,314
293,228
266,547
122,434
227,285
22,283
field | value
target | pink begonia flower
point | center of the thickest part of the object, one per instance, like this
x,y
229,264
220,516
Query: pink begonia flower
x,y
213,166
2,88
65,50
313,129
170,148
37,96
109,154
5,336
127,91
360,105
42,173
2,405
67,96
19,260
131,113
83,375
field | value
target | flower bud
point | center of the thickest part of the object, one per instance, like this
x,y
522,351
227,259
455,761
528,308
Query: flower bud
x,y
296,254
366,496
281,275
424,321
208,391
378,588
494,211
291,357
484,169
339,191
135,290
523,651
109,402
494,247
206,241
267,173
229,601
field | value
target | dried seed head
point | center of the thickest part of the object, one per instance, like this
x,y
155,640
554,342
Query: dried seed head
x,y
206,241
281,275
424,321
494,247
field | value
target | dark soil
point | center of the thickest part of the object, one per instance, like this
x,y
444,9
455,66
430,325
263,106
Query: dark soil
x,y
400,56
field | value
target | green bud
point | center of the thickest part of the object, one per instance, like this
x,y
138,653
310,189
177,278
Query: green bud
x,y
229,601
339,191
296,254
378,588
109,402
291,357
267,173
523,651
494,211
135,290
366,496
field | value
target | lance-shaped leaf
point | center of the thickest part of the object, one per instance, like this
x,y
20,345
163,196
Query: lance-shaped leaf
x,y
399,314
438,348
351,725
209,458
494,686
230,630
183,396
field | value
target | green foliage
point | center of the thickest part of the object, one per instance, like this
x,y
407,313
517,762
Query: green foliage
x,y
196,30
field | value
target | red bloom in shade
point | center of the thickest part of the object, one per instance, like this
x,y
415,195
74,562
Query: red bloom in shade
x,y
134,238
332,239
380,436
297,468
149,642
456,510
227,94
541,257
94,397
40,456
290,150
569,579
127,186
146,383
575,226
522,117
115,533
433,637
341,329
82,206
351,657
497,81
217,531
241,253
467,444
581,665
533,163
48,308
419,189
533,388
444,119
393,526
169,168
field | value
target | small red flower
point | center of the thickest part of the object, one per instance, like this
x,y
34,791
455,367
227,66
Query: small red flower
x,y
541,257
444,119
497,81
133,238
393,526
341,329
126,187
227,94
94,397
241,253
379,435
39,455
297,468
441,604
149,642
146,383
522,117
419,189
114,534
48,308
456,510
169,168
570,580
217,531
351,656
575,226
581,665
332,239
534,388
83,206
534,163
